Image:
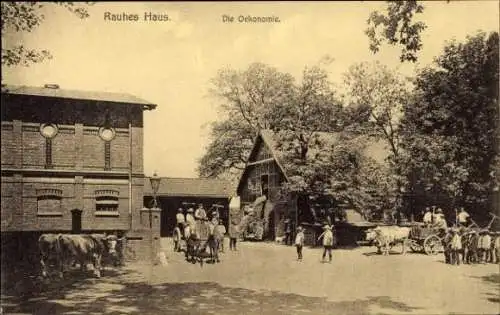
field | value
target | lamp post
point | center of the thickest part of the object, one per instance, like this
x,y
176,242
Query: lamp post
x,y
155,185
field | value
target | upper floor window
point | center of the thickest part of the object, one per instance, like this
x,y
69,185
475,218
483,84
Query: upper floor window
x,y
107,134
48,131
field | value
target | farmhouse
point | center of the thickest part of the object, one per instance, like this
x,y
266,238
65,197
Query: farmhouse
x,y
71,161
264,175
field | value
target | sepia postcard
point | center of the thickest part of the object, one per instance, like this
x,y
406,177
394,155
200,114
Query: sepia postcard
x,y
327,157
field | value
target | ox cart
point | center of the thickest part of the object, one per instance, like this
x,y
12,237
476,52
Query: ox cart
x,y
425,239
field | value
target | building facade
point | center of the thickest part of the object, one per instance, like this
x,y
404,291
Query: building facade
x,y
71,160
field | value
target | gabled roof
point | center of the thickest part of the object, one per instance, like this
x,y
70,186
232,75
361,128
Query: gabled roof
x,y
190,187
375,149
55,91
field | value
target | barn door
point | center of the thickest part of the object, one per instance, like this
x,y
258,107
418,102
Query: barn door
x,y
76,221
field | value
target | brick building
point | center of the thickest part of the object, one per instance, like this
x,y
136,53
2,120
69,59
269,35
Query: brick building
x,y
71,161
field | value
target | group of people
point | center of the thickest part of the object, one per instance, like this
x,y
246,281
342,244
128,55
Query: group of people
x,y
471,246
434,216
327,237
186,224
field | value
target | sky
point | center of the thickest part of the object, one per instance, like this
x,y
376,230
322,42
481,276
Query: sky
x,y
171,63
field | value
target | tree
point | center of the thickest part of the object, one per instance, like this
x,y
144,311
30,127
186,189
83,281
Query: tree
x,y
261,97
451,128
26,17
380,94
396,26
248,100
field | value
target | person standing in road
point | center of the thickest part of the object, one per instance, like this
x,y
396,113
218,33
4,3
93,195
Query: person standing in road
x,y
327,236
299,242
233,235
179,217
220,232
189,218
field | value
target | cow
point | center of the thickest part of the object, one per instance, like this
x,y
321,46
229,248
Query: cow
x,y
85,248
50,251
385,237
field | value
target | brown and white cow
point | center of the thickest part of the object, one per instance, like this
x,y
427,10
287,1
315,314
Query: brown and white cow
x,y
385,237
50,252
86,248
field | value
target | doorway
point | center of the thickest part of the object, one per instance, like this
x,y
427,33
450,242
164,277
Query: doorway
x,y
76,221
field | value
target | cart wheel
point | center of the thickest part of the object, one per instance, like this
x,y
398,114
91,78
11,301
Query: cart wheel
x,y
432,245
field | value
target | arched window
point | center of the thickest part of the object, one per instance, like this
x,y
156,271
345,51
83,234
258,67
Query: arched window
x,y
106,202
49,202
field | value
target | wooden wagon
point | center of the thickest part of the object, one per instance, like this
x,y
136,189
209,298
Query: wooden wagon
x,y
426,239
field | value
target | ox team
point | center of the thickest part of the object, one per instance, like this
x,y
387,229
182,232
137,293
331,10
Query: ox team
x,y
61,250
464,242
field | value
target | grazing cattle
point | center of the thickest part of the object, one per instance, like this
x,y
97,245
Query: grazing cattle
x,y
50,252
85,248
385,237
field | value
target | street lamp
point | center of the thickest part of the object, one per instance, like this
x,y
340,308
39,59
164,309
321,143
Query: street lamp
x,y
155,185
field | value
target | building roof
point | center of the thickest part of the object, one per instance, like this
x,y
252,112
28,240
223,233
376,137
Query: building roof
x,y
354,218
54,91
375,149
190,187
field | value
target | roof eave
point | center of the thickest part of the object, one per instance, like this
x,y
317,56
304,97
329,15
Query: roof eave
x,y
149,107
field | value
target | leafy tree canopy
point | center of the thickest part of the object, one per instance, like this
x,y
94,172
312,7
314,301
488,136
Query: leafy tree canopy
x,y
26,17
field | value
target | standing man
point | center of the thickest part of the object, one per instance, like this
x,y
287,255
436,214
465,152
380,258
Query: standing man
x,y
179,217
189,218
200,213
427,216
440,220
463,217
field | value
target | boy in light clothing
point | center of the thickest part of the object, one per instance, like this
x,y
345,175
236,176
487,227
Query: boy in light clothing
x,y
299,242
220,233
327,236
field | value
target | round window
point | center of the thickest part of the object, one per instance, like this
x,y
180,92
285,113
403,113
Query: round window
x,y
48,130
106,134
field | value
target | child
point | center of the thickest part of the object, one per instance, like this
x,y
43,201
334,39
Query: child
x,y
221,231
327,236
177,238
233,234
299,242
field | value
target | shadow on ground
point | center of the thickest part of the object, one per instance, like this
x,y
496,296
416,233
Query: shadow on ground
x,y
126,292
494,281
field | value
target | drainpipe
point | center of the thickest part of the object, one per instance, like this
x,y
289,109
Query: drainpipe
x,y
130,176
